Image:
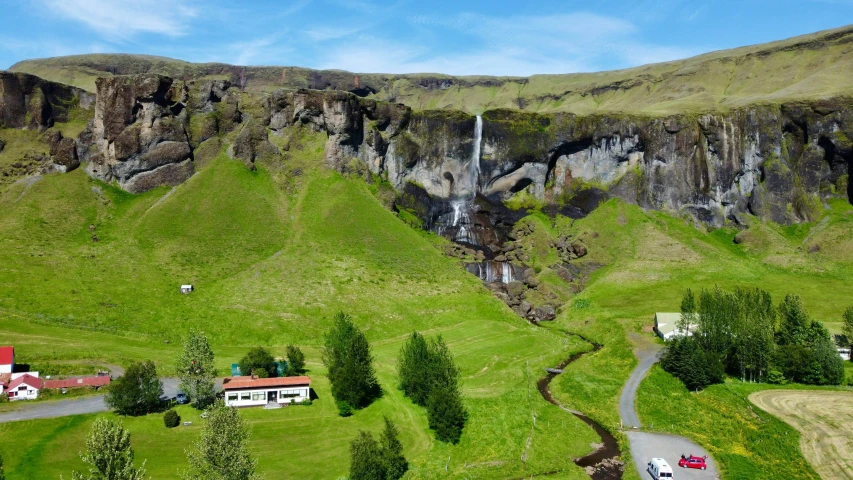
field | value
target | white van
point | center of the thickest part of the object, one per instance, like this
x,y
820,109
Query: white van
x,y
659,469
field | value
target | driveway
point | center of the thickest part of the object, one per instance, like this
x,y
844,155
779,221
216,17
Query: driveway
x,y
77,406
644,445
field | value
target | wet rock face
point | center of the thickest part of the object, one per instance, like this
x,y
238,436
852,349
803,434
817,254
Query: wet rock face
x,y
140,133
27,101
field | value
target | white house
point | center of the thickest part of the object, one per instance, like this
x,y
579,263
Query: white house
x,y
253,391
666,326
7,359
24,387
185,289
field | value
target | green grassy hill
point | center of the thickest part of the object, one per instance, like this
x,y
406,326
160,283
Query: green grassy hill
x,y
807,67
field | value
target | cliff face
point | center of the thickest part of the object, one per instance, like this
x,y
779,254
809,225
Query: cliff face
x,y
27,101
776,162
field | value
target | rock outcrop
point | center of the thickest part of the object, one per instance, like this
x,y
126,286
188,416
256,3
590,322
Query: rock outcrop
x,y
139,133
27,101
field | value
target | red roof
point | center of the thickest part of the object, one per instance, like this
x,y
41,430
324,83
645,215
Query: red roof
x,y
7,355
249,382
78,382
26,379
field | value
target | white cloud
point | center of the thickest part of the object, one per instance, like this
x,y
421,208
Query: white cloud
x,y
517,45
119,20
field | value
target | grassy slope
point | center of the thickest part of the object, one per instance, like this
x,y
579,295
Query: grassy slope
x,y
806,67
652,258
270,268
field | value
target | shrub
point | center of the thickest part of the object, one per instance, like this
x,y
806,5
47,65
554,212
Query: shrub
x,y
776,377
344,408
307,402
171,419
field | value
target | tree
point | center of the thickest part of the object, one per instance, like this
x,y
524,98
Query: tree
x,y
794,322
258,361
137,392
395,462
196,371
414,368
847,329
222,452
347,356
295,360
2,474
688,312
446,413
109,454
366,462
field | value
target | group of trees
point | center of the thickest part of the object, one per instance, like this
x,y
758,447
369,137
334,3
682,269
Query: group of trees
x,y
743,333
382,460
347,356
429,376
139,390
221,453
260,362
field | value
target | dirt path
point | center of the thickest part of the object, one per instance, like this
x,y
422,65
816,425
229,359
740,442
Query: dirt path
x,y
824,420
648,355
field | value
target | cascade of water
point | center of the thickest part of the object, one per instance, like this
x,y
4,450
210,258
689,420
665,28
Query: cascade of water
x,y
506,272
474,164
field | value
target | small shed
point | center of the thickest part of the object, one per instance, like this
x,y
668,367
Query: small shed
x,y
7,359
666,326
185,289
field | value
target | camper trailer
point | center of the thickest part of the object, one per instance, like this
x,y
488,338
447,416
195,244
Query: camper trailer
x,y
659,469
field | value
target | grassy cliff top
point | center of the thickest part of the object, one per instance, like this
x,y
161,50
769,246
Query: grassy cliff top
x,y
807,67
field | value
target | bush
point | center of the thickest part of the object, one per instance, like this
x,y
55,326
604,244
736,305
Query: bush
x,y
776,377
171,419
344,408
307,402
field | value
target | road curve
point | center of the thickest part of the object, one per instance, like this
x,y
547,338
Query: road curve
x,y
644,445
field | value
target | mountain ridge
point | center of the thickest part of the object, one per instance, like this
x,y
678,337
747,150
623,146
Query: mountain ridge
x,y
806,67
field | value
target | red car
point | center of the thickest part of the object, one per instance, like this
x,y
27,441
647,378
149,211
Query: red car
x,y
693,462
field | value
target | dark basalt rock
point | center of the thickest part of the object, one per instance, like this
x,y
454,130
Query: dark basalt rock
x,y
27,101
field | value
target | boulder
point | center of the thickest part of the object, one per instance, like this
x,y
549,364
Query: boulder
x,y
579,249
516,289
252,143
63,153
545,312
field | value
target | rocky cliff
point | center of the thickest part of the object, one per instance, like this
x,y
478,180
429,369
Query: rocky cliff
x,y
777,162
27,101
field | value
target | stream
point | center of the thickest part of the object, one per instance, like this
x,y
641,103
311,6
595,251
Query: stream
x,y
604,463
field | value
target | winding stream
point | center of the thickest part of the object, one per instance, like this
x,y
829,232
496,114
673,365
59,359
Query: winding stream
x,y
604,461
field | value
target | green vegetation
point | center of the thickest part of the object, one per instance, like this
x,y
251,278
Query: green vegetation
x,y
295,361
195,369
109,454
430,377
171,419
137,392
260,362
372,460
222,452
347,356
744,441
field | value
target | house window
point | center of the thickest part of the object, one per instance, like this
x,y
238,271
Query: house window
x,y
289,393
258,396
232,397
245,396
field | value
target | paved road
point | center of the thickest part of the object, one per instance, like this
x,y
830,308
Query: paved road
x,y
645,446
648,356
76,406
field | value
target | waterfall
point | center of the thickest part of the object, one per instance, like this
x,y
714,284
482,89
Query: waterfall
x,y
506,272
474,164
491,271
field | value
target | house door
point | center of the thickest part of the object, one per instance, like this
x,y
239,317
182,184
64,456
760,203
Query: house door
x,y
272,397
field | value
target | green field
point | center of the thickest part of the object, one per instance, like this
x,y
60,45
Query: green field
x,y
91,273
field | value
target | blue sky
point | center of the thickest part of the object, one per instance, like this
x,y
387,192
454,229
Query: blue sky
x,y
398,36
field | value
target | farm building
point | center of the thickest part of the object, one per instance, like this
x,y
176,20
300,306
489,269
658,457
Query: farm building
x,y
253,391
185,289
24,387
94,382
7,359
666,326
